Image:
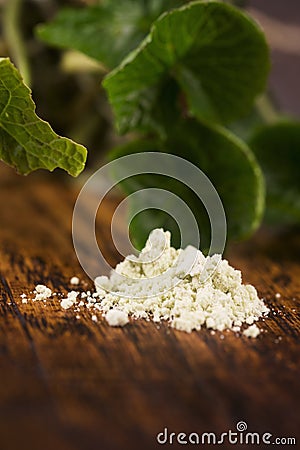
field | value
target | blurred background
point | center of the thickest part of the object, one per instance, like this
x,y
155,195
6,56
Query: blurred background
x,y
67,86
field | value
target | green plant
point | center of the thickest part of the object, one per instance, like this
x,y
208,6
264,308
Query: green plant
x,y
27,142
184,77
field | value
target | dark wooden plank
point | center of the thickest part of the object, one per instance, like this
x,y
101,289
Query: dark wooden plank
x,y
76,384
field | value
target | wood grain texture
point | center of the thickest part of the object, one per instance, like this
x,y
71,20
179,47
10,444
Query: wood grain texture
x,y
70,384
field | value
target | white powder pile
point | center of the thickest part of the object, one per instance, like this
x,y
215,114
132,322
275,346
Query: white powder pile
x,y
211,294
182,287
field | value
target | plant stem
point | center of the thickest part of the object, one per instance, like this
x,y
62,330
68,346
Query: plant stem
x,y
266,109
14,38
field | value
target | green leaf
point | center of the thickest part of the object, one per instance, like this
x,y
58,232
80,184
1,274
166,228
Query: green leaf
x,y
277,148
106,32
216,53
27,142
246,126
226,160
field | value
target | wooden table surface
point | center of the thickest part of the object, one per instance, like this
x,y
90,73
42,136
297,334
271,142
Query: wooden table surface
x,y
76,384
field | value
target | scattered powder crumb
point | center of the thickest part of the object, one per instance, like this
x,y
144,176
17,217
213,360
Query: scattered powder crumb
x,y
24,300
116,318
66,303
252,332
41,292
277,295
78,317
94,318
23,295
75,281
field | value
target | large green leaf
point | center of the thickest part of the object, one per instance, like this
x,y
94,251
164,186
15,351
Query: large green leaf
x,y
226,160
277,148
215,52
106,32
27,142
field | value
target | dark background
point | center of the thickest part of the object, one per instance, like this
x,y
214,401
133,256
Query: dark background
x,y
276,16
